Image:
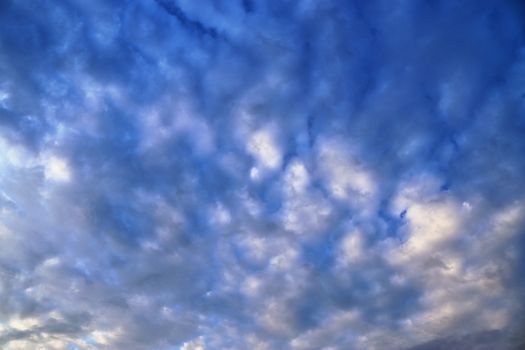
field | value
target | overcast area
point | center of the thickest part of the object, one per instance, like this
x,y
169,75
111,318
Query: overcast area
x,y
252,174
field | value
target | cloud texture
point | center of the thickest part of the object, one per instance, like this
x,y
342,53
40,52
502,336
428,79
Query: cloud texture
x,y
191,175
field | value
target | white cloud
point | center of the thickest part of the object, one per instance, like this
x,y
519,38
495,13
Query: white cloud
x,y
57,169
351,249
264,147
346,176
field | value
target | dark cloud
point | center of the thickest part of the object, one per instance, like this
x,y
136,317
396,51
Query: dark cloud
x,y
478,340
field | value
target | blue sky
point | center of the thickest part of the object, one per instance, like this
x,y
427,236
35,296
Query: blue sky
x,y
249,174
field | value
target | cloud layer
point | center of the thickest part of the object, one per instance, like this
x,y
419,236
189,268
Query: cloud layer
x,y
262,174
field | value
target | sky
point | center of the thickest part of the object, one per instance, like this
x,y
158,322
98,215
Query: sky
x,y
262,174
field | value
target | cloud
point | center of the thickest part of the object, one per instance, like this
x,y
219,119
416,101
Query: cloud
x,y
261,174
